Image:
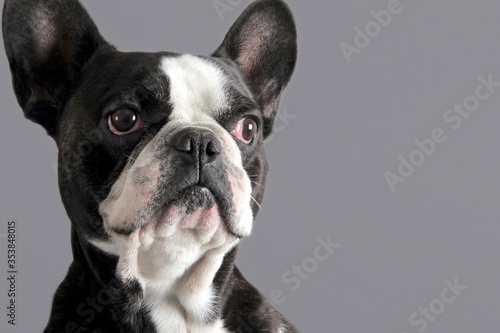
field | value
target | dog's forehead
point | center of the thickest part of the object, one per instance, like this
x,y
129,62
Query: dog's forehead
x,y
201,87
198,87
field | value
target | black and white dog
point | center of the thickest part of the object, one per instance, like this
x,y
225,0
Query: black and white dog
x,y
161,165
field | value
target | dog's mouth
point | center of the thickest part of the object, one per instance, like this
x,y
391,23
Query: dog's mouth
x,y
200,203
195,206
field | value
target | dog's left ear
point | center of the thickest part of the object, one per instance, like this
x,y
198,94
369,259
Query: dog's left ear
x,y
263,43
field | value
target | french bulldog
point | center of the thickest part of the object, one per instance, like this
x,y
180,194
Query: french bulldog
x,y
161,165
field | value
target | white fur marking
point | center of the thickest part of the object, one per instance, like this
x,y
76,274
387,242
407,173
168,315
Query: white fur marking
x,y
197,87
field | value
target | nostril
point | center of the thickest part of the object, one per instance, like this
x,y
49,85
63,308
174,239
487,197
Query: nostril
x,y
213,148
184,144
197,145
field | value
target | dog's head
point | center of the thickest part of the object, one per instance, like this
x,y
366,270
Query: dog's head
x,y
154,148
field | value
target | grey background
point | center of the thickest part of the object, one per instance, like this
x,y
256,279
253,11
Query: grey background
x,y
352,122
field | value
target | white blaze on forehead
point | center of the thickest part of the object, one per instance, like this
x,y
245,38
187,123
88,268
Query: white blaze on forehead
x,y
197,87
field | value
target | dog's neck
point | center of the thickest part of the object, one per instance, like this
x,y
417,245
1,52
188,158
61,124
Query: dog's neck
x,y
180,292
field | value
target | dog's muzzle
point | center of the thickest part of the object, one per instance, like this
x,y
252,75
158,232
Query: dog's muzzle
x,y
184,172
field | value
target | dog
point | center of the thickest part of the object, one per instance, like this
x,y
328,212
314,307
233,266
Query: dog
x,y
161,165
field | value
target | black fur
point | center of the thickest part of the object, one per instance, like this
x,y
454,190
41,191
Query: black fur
x,y
68,79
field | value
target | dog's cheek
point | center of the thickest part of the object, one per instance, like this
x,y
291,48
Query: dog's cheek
x,y
131,195
241,197
240,185
86,163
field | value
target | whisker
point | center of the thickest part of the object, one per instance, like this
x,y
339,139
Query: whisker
x,y
255,202
129,157
257,184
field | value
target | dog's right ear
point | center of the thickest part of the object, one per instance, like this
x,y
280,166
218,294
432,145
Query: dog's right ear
x,y
47,44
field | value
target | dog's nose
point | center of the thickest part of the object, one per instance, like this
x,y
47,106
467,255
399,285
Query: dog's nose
x,y
198,146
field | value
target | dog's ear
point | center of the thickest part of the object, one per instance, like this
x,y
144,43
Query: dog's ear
x,y
263,43
47,44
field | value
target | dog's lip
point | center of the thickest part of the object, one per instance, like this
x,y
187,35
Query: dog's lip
x,y
192,190
200,188
161,207
172,201
197,187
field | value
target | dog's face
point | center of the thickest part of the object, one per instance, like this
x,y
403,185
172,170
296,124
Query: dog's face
x,y
181,145
186,155
161,155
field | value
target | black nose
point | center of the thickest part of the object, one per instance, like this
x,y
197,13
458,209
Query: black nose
x,y
197,146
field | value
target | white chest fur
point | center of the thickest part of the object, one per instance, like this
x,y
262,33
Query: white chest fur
x,y
175,273
184,304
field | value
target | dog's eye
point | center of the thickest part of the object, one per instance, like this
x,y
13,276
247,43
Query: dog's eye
x,y
245,130
124,121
